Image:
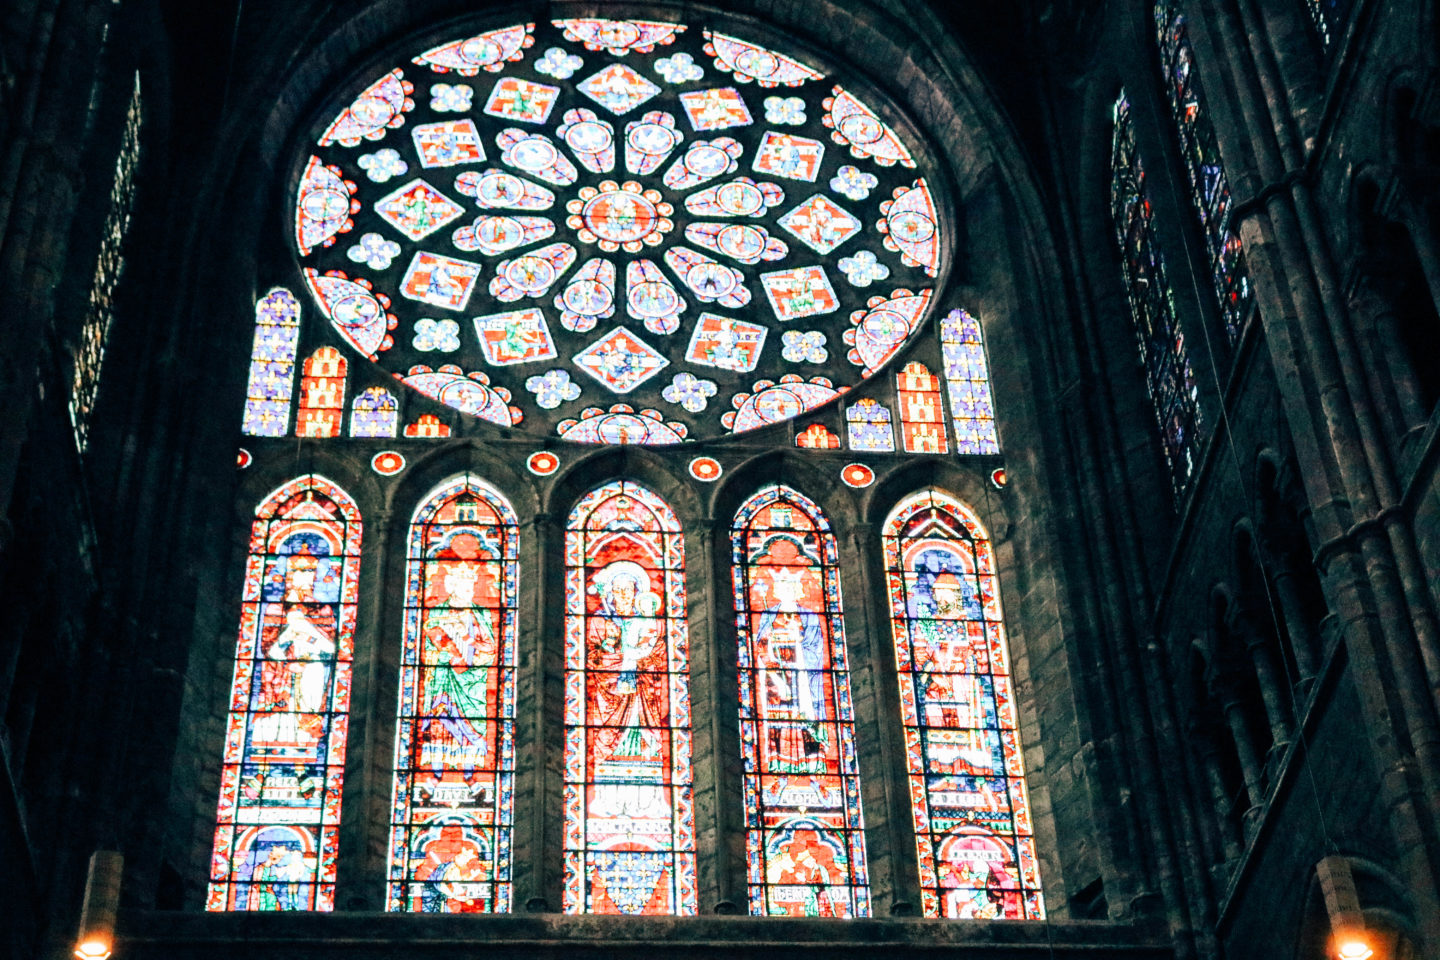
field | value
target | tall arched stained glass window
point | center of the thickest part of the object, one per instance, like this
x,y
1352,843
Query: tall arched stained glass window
x,y
455,746
922,421
967,781
1209,187
962,347
804,829
1152,308
629,839
272,364
277,826
322,394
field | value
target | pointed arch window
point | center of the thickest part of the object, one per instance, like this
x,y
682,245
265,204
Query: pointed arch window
x,y
375,413
629,832
272,364
1209,187
968,796
805,836
455,745
278,820
322,394
962,347
1152,309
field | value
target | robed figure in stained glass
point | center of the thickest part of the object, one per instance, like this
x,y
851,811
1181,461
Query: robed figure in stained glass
x,y
804,837
629,821
451,819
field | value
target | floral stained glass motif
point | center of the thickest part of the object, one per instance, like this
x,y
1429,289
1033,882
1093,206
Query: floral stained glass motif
x,y
600,181
922,423
869,427
277,826
804,837
968,796
375,413
1209,187
454,792
1163,353
972,410
272,365
322,394
629,831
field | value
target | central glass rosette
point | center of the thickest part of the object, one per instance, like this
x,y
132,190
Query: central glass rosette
x,y
620,231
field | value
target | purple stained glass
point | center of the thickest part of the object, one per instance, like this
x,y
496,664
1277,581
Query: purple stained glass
x,y
272,365
375,413
972,410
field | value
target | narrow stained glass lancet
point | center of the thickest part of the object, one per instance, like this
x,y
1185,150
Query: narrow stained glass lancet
x,y
322,395
968,798
804,828
629,832
1152,309
922,421
277,825
109,265
962,347
375,413
1209,187
455,746
272,364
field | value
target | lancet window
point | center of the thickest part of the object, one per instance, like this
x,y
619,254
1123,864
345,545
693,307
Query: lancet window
x,y
1152,309
277,826
962,347
322,395
805,831
629,832
453,806
272,365
968,795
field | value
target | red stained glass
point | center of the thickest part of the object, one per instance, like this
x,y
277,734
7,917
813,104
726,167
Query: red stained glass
x,y
922,424
322,395
452,809
629,834
971,811
804,839
277,824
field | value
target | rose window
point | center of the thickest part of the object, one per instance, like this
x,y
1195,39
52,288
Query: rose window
x,y
619,231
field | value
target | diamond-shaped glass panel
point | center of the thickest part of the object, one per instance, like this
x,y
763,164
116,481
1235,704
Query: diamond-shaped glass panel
x,y
618,89
821,224
418,209
620,360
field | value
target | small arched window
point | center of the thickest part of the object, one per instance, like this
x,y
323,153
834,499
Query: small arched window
x,y
968,795
805,831
277,827
322,394
629,838
455,747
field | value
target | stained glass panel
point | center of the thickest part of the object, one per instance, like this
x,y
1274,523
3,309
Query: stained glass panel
x,y
1152,309
962,347
277,826
969,803
629,833
922,423
455,746
868,423
109,265
804,828
638,197
322,394
375,413
272,365
1209,187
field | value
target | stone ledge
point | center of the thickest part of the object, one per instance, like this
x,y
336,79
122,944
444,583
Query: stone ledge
x,y
380,936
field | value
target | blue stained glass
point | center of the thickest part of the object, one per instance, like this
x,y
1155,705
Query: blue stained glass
x,y
962,347
375,413
869,427
272,365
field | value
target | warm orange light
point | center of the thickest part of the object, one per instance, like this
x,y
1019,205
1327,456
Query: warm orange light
x,y
93,949
1353,948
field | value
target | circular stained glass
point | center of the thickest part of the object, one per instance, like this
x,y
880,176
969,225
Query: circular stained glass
x,y
619,231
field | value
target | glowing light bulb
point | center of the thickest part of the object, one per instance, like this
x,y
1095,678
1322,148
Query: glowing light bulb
x,y
1353,948
93,950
